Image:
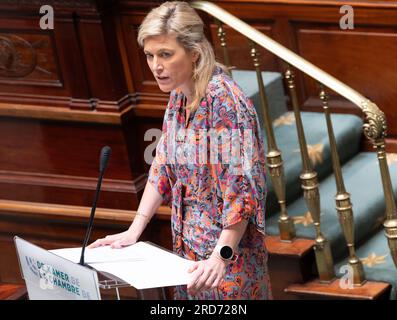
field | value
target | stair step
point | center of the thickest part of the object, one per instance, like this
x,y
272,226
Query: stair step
x,y
316,290
362,179
348,131
289,263
347,128
377,261
273,82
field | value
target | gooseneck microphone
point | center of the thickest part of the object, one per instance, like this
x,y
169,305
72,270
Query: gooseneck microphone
x,y
103,163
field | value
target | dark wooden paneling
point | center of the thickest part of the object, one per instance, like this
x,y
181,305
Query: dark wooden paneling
x,y
62,65
58,162
307,27
121,195
61,148
28,58
56,69
142,78
239,48
351,56
30,61
99,47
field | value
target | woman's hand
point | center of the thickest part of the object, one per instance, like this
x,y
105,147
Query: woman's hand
x,y
116,241
208,274
126,238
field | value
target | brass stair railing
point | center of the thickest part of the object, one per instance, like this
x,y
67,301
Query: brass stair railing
x,y
374,129
324,260
274,160
342,199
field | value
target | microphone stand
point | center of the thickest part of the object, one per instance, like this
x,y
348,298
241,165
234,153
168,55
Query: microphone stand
x,y
91,221
105,153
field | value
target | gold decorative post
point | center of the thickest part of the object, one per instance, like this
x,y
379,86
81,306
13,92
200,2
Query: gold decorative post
x,y
324,260
375,130
342,198
222,39
274,160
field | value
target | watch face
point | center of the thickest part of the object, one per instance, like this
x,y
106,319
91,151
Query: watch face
x,y
226,252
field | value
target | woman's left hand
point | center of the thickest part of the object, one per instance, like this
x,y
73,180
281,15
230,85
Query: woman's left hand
x,y
208,274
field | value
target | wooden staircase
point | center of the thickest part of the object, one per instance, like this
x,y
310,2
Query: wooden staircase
x,y
332,166
293,275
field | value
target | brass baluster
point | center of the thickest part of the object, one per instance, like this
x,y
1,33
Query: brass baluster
x,y
222,38
311,193
375,130
342,199
274,160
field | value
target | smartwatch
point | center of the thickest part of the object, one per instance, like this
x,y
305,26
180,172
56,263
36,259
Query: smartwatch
x,y
226,253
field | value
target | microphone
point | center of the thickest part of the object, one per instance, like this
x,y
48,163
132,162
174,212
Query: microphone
x,y
103,163
105,154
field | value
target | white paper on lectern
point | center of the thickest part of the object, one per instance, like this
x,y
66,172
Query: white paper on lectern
x,y
142,265
100,254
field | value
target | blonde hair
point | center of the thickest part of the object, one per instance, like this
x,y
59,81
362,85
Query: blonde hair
x,y
181,19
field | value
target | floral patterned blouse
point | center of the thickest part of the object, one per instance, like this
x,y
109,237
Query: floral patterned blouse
x,y
210,169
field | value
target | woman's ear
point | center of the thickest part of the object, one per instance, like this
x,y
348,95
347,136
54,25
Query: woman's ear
x,y
195,56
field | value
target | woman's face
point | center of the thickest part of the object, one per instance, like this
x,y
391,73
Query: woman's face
x,y
171,65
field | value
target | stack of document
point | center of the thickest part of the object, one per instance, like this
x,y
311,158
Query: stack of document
x,y
142,265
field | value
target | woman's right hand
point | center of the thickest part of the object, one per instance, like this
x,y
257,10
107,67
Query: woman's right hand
x,y
150,202
116,241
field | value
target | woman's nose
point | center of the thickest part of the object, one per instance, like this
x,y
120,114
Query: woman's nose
x,y
157,66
